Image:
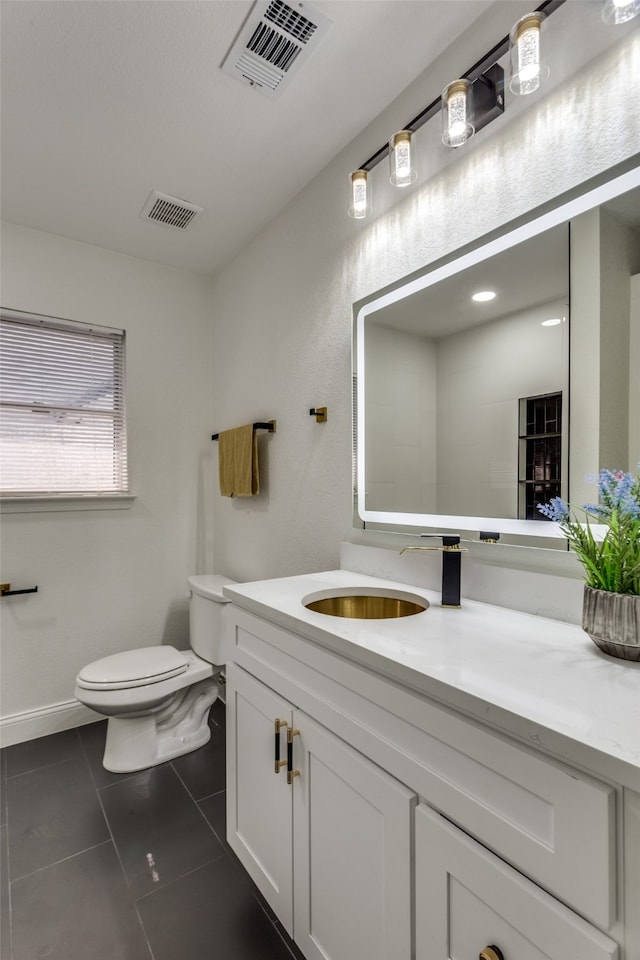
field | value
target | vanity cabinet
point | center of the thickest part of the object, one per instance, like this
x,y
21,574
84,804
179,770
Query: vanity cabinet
x,y
409,826
326,837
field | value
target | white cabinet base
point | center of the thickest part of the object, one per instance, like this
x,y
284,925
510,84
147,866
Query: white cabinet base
x,y
331,850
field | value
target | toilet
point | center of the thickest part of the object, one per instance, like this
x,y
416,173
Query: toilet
x,y
158,698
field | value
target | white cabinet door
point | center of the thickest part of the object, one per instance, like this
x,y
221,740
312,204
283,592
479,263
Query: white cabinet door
x,y
259,801
352,852
468,899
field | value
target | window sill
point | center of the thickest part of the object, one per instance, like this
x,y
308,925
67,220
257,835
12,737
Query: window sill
x,y
62,503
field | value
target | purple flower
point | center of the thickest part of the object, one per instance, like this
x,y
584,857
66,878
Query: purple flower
x,y
618,491
557,509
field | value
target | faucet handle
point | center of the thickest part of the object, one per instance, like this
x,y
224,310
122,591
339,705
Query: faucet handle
x,y
404,549
448,539
445,548
486,537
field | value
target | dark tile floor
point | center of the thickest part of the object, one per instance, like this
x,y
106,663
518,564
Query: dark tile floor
x,y
104,866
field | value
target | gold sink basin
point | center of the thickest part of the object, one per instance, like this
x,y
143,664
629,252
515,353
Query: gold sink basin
x,y
372,605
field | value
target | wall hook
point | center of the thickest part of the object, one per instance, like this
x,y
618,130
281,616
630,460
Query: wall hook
x,y
320,413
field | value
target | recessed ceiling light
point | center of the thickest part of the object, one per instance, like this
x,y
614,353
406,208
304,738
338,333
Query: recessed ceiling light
x,y
552,322
482,295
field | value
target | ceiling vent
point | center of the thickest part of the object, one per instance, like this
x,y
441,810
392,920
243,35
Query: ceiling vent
x,y
170,211
274,43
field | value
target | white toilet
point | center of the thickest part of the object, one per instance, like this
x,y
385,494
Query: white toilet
x,y
158,698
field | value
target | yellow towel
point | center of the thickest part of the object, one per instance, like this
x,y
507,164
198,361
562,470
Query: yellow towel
x,y
238,462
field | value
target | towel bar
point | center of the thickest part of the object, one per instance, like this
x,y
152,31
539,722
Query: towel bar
x,y
6,591
269,426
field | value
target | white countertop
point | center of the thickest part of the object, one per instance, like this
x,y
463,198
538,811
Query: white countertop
x,y
540,680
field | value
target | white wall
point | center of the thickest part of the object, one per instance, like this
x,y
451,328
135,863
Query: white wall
x,y
634,379
605,256
401,413
619,261
113,579
482,374
284,305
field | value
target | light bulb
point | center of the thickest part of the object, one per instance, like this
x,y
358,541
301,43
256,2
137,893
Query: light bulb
x,y
482,296
456,113
400,147
527,70
620,11
359,205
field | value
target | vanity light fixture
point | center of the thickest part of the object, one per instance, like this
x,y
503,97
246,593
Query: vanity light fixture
x,y
483,296
620,11
402,172
457,110
527,70
359,204
467,104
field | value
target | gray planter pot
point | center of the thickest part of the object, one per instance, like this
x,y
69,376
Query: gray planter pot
x,y
612,620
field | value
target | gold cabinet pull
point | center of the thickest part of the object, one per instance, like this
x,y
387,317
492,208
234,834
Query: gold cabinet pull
x,y
278,764
491,953
291,773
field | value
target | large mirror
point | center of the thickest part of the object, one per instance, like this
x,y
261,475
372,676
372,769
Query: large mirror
x,y
469,413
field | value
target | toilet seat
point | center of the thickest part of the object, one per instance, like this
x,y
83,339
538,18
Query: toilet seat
x,y
133,668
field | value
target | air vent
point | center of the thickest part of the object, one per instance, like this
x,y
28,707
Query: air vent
x,y
170,211
274,43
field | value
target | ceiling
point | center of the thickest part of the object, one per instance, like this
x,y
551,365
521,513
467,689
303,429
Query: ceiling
x,y
524,277
104,101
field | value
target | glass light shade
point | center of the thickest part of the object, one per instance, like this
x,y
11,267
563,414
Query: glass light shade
x,y
402,172
527,70
457,111
619,11
359,202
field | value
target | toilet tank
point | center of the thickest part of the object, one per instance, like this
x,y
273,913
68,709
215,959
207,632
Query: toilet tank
x,y
207,616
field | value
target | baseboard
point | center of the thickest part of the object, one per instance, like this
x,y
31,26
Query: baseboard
x,y
31,724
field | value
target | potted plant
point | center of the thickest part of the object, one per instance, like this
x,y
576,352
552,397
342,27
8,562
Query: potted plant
x,y
611,559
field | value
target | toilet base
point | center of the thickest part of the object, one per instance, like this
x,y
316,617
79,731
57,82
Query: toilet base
x,y
178,727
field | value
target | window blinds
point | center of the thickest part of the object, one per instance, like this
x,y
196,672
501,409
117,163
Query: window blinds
x,y
62,408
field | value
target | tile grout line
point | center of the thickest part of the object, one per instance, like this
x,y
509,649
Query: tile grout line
x,y
9,897
115,846
195,802
258,897
170,883
4,776
55,863
43,766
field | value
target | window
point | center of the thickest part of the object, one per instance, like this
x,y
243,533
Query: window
x,y
62,408
540,453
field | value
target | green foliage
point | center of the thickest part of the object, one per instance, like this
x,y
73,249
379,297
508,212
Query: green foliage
x,y
612,561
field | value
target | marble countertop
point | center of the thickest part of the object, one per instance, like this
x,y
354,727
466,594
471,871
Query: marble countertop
x,y
537,679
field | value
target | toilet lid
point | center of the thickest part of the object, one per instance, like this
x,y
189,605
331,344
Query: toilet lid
x,y
133,668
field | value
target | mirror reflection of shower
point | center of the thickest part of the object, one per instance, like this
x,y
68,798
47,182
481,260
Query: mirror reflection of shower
x,y
446,373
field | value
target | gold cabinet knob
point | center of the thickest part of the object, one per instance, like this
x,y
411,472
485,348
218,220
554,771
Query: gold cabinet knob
x,y
491,953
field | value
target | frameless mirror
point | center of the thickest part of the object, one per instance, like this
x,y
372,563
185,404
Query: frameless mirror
x,y
470,413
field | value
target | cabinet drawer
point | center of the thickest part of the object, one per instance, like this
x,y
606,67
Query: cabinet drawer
x,y
467,899
549,821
